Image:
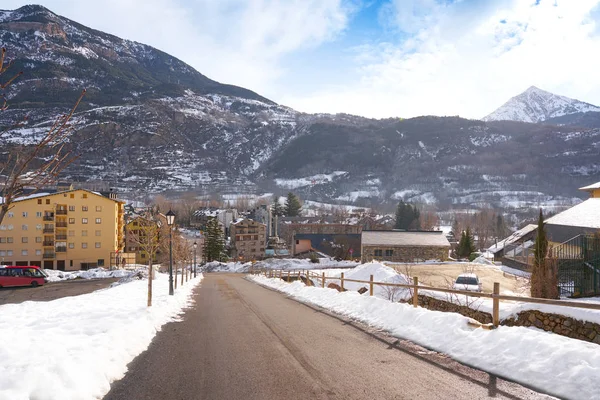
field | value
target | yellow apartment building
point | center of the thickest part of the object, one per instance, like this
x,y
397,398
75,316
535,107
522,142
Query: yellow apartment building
x,y
67,230
248,240
136,236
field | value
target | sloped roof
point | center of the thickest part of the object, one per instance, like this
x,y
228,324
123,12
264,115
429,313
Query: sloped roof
x,y
585,215
404,238
47,194
512,238
591,187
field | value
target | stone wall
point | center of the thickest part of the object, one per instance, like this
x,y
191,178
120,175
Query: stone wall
x,y
405,253
559,324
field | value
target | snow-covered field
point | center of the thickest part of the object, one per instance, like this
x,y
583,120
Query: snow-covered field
x,y
275,263
555,364
74,347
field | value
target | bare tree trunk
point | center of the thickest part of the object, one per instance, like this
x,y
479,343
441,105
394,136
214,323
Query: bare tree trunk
x,y
150,273
175,280
182,273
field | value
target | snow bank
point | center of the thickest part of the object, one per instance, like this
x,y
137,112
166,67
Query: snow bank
x,y
94,273
381,273
76,346
277,263
561,366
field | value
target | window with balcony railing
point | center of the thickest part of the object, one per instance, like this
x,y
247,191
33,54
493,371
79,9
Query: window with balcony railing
x,y
61,249
61,237
48,243
48,229
49,255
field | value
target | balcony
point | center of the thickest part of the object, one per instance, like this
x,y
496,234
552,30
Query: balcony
x,y
61,212
61,237
48,218
49,230
49,255
48,243
61,249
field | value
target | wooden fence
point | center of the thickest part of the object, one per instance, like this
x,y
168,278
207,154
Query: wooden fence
x,y
415,287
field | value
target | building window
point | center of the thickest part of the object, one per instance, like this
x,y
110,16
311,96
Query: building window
x,y
72,196
98,220
100,262
71,208
389,253
38,252
71,233
84,220
71,245
83,233
38,227
24,252
98,233
71,220
38,214
10,214
2,253
38,239
39,201
378,252
143,255
84,208
23,227
98,208
9,253
10,227
84,245
9,239
47,201
24,214
24,239
98,245
84,196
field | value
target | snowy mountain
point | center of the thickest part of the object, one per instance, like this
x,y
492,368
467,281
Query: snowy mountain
x,y
151,123
536,105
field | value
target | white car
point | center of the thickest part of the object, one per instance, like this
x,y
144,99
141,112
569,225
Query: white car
x,y
468,282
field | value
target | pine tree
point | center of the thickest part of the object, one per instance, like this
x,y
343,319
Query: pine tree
x,y
214,242
407,216
466,246
277,208
292,205
538,272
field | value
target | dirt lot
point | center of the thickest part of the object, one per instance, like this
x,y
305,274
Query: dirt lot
x,y
53,290
443,275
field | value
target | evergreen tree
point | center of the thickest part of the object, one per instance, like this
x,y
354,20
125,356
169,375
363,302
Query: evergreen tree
x,y
544,280
277,208
455,229
407,216
214,242
466,245
292,205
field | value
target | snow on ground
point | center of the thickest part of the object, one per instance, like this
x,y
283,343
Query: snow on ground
x,y
558,365
94,273
276,263
76,346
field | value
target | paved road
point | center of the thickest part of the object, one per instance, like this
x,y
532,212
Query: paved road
x,y
53,290
242,341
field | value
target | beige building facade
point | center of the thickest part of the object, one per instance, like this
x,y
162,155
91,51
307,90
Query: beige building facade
x,y
69,230
248,240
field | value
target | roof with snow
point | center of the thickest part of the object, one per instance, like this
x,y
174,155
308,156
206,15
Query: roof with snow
x,y
404,238
591,187
512,238
44,194
585,215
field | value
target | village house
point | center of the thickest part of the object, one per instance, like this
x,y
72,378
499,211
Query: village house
x,y
66,230
248,240
404,246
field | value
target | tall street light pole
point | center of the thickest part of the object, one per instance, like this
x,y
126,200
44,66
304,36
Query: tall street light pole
x,y
195,246
170,219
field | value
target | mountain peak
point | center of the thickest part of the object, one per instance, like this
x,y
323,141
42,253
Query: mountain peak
x,y
537,105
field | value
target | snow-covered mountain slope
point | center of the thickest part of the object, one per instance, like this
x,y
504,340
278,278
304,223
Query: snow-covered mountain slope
x,y
536,105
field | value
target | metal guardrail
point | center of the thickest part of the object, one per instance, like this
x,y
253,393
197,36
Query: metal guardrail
x,y
415,287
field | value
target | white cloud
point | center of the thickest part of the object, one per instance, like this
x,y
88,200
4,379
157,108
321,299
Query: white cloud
x,y
462,60
233,41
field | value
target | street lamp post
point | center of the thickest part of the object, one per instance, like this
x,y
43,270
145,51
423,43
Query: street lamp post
x,y
195,246
170,219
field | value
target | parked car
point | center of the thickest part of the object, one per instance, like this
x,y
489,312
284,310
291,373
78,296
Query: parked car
x,y
21,276
468,282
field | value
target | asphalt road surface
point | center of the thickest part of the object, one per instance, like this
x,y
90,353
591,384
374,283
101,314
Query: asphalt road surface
x,y
53,290
243,341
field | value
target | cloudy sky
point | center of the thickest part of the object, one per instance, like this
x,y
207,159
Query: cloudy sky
x,y
377,58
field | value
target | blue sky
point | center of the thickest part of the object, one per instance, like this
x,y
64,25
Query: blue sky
x,y
377,58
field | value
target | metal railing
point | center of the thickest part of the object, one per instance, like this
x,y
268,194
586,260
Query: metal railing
x,y
61,249
49,255
416,287
48,243
61,237
48,230
61,212
48,218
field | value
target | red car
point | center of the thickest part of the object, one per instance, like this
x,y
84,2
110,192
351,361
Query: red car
x,y
21,276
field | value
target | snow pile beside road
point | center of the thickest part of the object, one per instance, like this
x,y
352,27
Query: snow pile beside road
x,y
216,266
74,347
561,366
94,273
381,273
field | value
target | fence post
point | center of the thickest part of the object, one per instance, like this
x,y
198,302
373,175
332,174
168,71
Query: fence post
x,y
416,291
323,282
496,303
342,282
288,278
371,286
